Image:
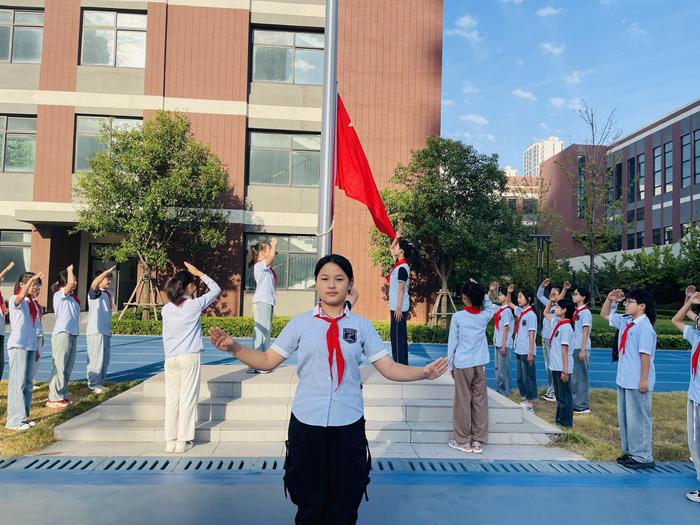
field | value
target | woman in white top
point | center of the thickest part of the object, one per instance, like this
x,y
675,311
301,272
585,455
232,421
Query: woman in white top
x,y
64,338
21,350
182,344
260,258
327,465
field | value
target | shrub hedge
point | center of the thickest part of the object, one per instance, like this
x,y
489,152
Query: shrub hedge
x,y
417,333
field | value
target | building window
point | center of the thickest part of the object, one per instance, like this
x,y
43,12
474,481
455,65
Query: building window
x,y
87,132
15,246
640,239
641,164
17,144
685,161
630,241
668,164
630,180
285,56
581,192
618,182
284,159
697,156
656,236
294,262
668,235
112,38
657,171
21,34
640,214
513,204
630,215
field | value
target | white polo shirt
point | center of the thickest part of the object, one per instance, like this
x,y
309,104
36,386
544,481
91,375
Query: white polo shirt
x,y
99,312
264,283
67,311
394,287
182,331
583,318
562,339
528,323
506,323
547,324
317,401
692,335
467,345
22,332
641,339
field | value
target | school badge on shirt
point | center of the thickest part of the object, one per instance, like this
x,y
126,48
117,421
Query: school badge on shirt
x,y
350,335
524,323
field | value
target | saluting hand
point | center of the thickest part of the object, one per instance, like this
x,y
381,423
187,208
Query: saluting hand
x,y
435,369
194,271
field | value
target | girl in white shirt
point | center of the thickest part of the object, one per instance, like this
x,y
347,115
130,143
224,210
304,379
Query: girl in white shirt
x,y
561,357
525,349
260,258
327,465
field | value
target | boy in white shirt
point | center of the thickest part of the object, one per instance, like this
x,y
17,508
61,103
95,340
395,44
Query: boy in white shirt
x,y
99,329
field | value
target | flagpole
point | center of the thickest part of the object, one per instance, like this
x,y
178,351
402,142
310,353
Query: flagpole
x,y
330,106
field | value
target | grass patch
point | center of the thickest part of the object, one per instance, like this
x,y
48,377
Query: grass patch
x,y
13,443
596,435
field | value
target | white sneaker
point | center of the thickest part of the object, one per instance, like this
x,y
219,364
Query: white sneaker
x,y
170,446
31,423
694,496
97,389
21,428
183,446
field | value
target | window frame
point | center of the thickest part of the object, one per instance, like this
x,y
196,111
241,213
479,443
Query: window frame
x,y
3,139
631,180
640,239
115,40
293,47
76,132
668,167
23,245
248,272
656,238
658,170
290,162
641,167
668,235
685,162
696,155
13,24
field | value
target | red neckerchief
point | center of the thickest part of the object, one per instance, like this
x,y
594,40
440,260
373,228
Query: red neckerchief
x,y
333,344
180,301
578,311
623,338
111,304
34,308
396,265
472,309
497,317
554,332
517,323
694,360
75,297
2,305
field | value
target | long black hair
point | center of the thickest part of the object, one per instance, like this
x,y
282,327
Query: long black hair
x,y
569,308
176,286
644,297
583,292
410,252
253,253
475,292
335,259
62,280
23,278
529,295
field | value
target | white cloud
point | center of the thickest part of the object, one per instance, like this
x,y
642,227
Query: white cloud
x,y
466,28
557,102
550,48
466,22
525,95
490,137
636,29
468,88
548,11
474,118
448,103
544,126
573,104
576,76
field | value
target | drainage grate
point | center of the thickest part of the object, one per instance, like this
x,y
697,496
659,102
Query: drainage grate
x,y
134,465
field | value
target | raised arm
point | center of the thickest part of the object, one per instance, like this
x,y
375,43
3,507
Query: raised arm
x,y
214,290
564,290
677,319
272,252
70,281
266,360
25,287
689,291
509,294
540,293
97,280
615,296
6,270
548,310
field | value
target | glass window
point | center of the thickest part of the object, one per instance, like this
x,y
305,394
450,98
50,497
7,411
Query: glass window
x,y
283,159
656,236
696,150
657,171
630,241
641,165
640,239
630,215
668,235
640,214
630,180
87,131
294,262
17,143
113,38
668,165
21,35
15,246
288,57
685,161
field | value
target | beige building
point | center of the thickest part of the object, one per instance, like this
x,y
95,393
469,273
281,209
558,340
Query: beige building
x,y
537,153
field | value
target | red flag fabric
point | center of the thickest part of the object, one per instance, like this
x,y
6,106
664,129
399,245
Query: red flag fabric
x,y
354,176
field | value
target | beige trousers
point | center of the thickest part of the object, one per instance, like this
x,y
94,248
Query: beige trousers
x,y
470,412
181,396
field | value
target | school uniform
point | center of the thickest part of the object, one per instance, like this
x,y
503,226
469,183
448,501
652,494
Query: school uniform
x,y
327,464
182,346
400,273
692,335
503,322
263,304
38,328
525,323
579,380
99,336
21,351
561,340
63,343
3,312
467,355
634,407
545,334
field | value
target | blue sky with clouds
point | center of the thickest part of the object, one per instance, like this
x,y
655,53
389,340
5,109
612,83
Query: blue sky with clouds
x,y
515,71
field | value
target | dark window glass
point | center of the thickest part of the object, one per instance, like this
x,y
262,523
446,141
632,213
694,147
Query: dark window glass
x,y
657,171
641,164
668,165
668,234
685,161
630,180
656,236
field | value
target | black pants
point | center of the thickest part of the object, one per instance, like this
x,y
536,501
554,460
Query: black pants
x,y
399,339
326,471
565,400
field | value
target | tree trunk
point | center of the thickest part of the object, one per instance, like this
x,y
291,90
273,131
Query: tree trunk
x,y
146,290
443,303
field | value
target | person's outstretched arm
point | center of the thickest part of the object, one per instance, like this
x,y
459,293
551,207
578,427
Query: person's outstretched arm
x,y
267,360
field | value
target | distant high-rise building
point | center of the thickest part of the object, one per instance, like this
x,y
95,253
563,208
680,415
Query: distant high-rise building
x,y
510,171
537,153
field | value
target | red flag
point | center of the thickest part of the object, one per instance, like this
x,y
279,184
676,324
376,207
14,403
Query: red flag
x,y
354,176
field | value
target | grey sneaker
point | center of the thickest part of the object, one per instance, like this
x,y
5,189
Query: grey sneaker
x,y
694,496
20,428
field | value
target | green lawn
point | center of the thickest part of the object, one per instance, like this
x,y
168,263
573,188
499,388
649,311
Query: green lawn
x,y
662,326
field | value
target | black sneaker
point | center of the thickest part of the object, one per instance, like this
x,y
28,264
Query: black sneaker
x,y
694,496
638,465
624,457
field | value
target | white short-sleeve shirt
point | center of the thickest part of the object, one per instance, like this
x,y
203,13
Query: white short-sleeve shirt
x,y
99,312
264,283
319,401
394,288
583,318
641,339
506,323
22,331
547,324
692,335
561,339
67,312
467,345
526,323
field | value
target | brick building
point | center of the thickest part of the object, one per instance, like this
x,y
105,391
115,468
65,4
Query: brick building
x,y
248,74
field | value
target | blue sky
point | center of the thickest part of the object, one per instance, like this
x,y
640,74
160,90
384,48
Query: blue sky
x,y
514,71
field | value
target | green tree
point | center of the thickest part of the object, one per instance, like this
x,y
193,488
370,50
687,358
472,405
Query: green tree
x,y
158,189
449,203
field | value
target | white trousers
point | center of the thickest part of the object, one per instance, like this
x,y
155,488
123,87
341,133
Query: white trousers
x,y
181,396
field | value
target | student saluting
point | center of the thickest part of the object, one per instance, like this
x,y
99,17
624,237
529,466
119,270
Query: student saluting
x,y
327,466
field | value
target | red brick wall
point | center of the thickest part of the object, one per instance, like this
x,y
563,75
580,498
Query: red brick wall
x,y
59,54
389,75
155,49
54,154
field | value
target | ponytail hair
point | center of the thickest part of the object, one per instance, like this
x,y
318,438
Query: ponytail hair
x,y
475,292
176,286
23,278
253,253
410,252
62,280
644,297
569,307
